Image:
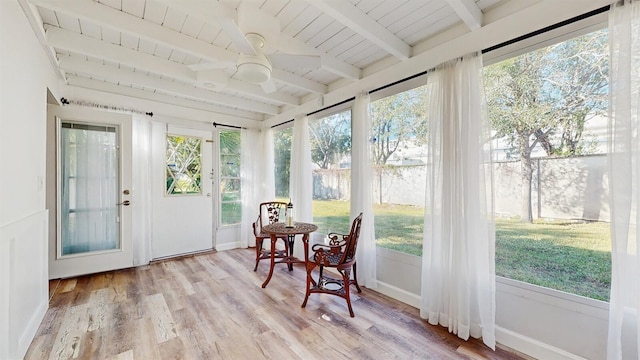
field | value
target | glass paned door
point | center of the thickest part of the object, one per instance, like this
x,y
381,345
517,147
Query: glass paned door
x,y
89,176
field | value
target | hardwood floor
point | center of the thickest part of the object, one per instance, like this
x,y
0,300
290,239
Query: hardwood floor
x,y
212,307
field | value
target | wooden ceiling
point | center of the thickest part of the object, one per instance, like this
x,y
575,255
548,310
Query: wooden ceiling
x,y
185,51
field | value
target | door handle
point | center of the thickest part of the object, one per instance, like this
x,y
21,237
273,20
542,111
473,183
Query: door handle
x,y
125,203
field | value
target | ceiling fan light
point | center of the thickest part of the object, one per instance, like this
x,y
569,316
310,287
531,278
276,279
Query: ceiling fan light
x,y
255,69
253,72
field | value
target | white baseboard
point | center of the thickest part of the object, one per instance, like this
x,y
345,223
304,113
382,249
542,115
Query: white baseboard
x,y
32,329
532,347
398,294
227,246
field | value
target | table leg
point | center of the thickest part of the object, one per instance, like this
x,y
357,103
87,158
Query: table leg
x,y
273,260
291,239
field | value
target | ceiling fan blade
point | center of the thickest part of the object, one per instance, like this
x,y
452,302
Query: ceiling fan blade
x,y
290,61
269,86
236,35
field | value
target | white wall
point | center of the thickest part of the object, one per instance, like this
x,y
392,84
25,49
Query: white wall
x,y
540,322
25,75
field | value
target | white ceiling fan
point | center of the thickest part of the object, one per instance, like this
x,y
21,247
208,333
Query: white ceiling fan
x,y
255,34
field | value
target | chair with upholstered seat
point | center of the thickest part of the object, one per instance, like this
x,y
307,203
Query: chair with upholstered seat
x,y
339,254
270,212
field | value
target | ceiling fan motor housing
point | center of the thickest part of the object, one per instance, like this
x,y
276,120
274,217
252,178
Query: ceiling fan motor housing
x,y
254,68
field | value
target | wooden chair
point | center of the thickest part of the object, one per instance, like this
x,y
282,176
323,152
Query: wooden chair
x,y
270,212
341,255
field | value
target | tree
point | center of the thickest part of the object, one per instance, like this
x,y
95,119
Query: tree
x,y
330,138
396,119
282,154
545,98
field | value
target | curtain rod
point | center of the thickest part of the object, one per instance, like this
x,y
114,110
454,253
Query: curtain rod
x,y
65,101
495,47
215,124
548,28
282,123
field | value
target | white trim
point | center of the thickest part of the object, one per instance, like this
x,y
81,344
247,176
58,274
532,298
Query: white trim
x,y
532,347
398,294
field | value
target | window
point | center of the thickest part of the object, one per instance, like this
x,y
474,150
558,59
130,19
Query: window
x,y
183,165
230,196
330,139
282,158
399,128
548,116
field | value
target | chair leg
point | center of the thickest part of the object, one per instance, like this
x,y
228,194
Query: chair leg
x,y
347,295
309,267
258,251
355,277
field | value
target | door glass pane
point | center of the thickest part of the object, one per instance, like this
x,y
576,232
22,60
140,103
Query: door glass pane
x,y
184,165
89,181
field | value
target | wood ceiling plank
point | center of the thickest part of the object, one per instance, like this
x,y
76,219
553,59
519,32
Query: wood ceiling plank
x,y
400,13
325,34
300,22
192,26
134,7
129,41
289,14
162,51
89,28
468,11
338,38
48,16
111,35
174,19
116,4
155,12
417,17
366,5
317,25
384,8
365,26
68,22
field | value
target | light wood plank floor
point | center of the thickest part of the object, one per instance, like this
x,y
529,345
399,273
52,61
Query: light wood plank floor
x,y
212,307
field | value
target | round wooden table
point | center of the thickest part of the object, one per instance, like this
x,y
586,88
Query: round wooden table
x,y
279,229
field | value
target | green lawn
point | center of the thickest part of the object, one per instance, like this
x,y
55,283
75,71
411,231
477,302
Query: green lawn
x,y
569,256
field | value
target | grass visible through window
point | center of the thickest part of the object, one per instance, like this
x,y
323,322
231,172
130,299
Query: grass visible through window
x,y
570,256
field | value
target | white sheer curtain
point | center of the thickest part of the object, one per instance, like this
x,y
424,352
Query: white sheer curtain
x,y
361,194
458,274
301,180
251,182
141,191
624,180
267,166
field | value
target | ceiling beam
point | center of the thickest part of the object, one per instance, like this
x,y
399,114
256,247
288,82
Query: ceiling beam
x,y
74,42
299,82
353,18
468,11
115,75
289,44
86,83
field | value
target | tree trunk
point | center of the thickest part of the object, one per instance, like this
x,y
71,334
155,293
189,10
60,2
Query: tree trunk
x,y
526,214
